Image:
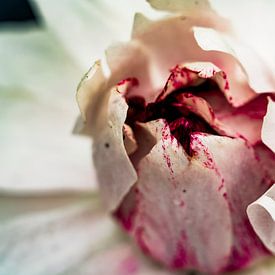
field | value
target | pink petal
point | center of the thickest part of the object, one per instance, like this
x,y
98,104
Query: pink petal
x,y
245,178
164,188
199,106
244,121
169,211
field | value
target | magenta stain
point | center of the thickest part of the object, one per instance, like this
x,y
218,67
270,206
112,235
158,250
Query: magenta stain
x,y
129,266
167,137
127,215
180,259
226,86
255,109
179,78
132,80
139,233
221,185
247,247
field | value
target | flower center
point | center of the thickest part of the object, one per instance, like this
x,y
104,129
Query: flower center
x,y
180,119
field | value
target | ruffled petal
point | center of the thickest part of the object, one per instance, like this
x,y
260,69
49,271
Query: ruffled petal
x,y
212,103
91,100
166,43
104,111
95,87
244,121
253,70
268,129
130,60
115,172
242,21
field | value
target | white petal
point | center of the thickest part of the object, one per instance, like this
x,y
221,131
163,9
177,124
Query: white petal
x,y
104,112
262,217
65,235
141,23
116,173
122,258
38,109
259,76
130,60
253,23
50,235
91,98
268,129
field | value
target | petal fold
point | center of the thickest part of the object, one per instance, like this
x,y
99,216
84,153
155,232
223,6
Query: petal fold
x,y
261,214
115,172
268,129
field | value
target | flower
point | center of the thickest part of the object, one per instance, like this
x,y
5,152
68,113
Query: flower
x,y
179,155
51,218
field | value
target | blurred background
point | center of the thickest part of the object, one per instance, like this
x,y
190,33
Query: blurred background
x,y
17,11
